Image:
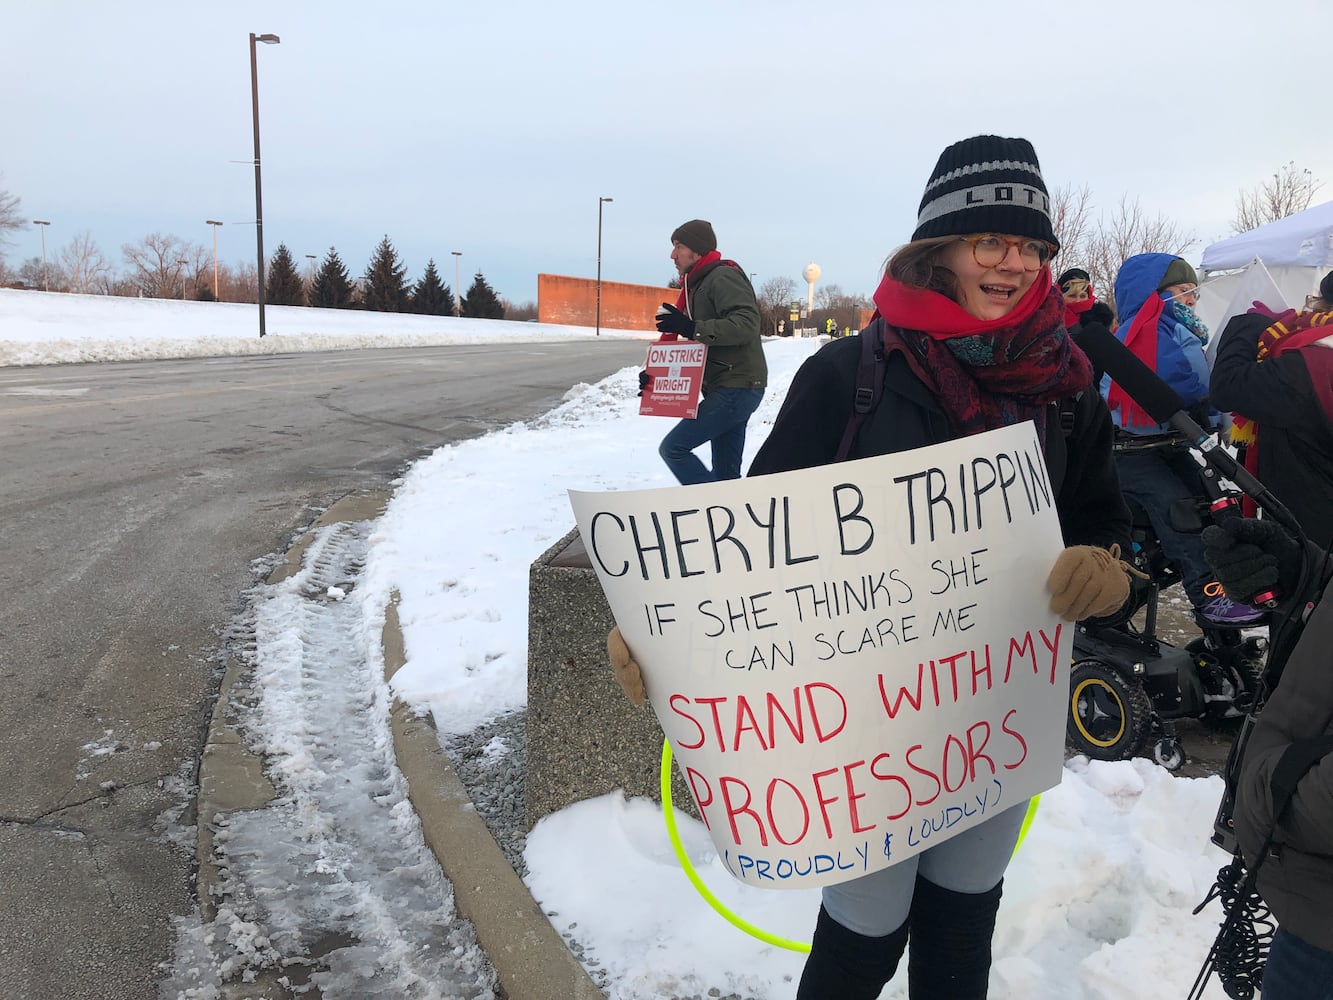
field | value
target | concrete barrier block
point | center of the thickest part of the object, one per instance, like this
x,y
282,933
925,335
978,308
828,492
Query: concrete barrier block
x,y
584,738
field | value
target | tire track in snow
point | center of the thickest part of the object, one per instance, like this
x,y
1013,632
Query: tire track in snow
x,y
332,880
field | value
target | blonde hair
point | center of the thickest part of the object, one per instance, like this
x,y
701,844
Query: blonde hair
x,y
917,264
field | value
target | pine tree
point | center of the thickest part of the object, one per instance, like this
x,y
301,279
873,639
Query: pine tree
x,y
481,302
332,288
430,296
385,281
284,286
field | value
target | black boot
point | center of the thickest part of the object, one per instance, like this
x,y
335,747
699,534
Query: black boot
x,y
950,946
844,965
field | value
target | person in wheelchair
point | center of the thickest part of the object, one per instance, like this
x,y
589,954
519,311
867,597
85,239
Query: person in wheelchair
x,y
1154,296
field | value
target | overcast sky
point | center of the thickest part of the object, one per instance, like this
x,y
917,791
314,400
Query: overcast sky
x,y
803,131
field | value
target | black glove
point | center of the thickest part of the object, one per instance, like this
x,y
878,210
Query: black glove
x,y
672,320
1100,312
1202,414
1250,557
645,380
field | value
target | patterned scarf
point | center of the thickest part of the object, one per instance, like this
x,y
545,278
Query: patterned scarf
x,y
1290,332
991,373
1189,319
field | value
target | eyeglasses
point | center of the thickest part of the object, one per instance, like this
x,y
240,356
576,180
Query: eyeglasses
x,y
989,249
1182,292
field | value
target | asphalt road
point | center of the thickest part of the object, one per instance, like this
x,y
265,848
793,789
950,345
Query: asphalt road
x,y
137,502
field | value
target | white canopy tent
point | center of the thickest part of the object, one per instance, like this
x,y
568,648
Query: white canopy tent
x,y
1296,251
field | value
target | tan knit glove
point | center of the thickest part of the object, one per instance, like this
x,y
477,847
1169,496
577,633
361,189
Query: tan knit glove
x,y
1087,582
623,666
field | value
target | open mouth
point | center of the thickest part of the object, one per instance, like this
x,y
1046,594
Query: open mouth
x,y
1000,293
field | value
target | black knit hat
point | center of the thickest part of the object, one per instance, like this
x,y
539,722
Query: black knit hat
x,y
1073,272
986,184
1326,288
697,235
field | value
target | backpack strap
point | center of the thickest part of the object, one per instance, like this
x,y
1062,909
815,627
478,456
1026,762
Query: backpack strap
x,y
869,385
1067,414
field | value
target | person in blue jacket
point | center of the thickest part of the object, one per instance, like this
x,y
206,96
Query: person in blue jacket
x,y
1155,295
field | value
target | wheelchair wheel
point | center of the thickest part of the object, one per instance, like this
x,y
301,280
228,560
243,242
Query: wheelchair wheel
x,y
1108,714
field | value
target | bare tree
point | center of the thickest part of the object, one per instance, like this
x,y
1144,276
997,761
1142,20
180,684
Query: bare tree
x,y
829,295
84,264
774,297
163,265
10,220
38,274
1129,231
1288,191
238,282
1071,217
519,312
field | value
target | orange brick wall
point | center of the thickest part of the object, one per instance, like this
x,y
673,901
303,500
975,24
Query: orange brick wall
x,y
573,302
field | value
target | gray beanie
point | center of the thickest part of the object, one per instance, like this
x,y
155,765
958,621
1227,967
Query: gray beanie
x,y
697,235
1178,272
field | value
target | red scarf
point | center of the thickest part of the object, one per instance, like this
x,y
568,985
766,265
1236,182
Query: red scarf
x,y
683,299
1075,310
1142,340
990,373
1291,332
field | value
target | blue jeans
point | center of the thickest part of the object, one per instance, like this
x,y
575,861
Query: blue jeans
x,y
974,861
1155,480
723,414
1297,970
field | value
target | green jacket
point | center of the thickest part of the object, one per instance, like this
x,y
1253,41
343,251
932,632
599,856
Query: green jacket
x,y
721,302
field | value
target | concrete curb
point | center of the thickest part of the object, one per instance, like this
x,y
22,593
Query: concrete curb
x,y
529,956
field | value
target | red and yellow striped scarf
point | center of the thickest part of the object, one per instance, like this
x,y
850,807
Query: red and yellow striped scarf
x,y
1290,332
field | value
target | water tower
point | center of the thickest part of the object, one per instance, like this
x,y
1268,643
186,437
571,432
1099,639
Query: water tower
x,y
811,275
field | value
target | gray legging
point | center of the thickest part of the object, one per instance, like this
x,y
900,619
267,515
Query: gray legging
x,y
974,861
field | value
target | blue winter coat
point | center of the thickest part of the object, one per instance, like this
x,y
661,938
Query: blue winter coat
x,y
1179,361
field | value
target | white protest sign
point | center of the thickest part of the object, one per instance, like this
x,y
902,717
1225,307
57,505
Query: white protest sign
x,y
853,662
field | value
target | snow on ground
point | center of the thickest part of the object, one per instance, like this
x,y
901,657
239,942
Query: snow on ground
x,y
1098,898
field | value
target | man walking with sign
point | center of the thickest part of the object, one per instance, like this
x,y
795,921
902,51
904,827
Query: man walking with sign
x,y
716,308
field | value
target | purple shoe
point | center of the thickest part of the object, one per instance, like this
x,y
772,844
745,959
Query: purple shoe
x,y
1223,611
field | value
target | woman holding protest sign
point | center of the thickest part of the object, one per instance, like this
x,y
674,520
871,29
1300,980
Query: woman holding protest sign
x,y
969,336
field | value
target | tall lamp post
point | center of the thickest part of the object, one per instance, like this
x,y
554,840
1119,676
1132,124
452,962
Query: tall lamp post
x,y
46,280
214,223
458,301
600,202
181,265
259,197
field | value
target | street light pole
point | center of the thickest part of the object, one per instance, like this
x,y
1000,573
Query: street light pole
x,y
214,223
46,279
259,197
600,201
458,301
181,265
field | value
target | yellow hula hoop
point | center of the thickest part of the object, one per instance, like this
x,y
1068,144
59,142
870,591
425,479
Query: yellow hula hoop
x,y
733,918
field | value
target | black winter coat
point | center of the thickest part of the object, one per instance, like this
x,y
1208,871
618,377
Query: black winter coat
x,y
810,424
1296,878
1295,434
